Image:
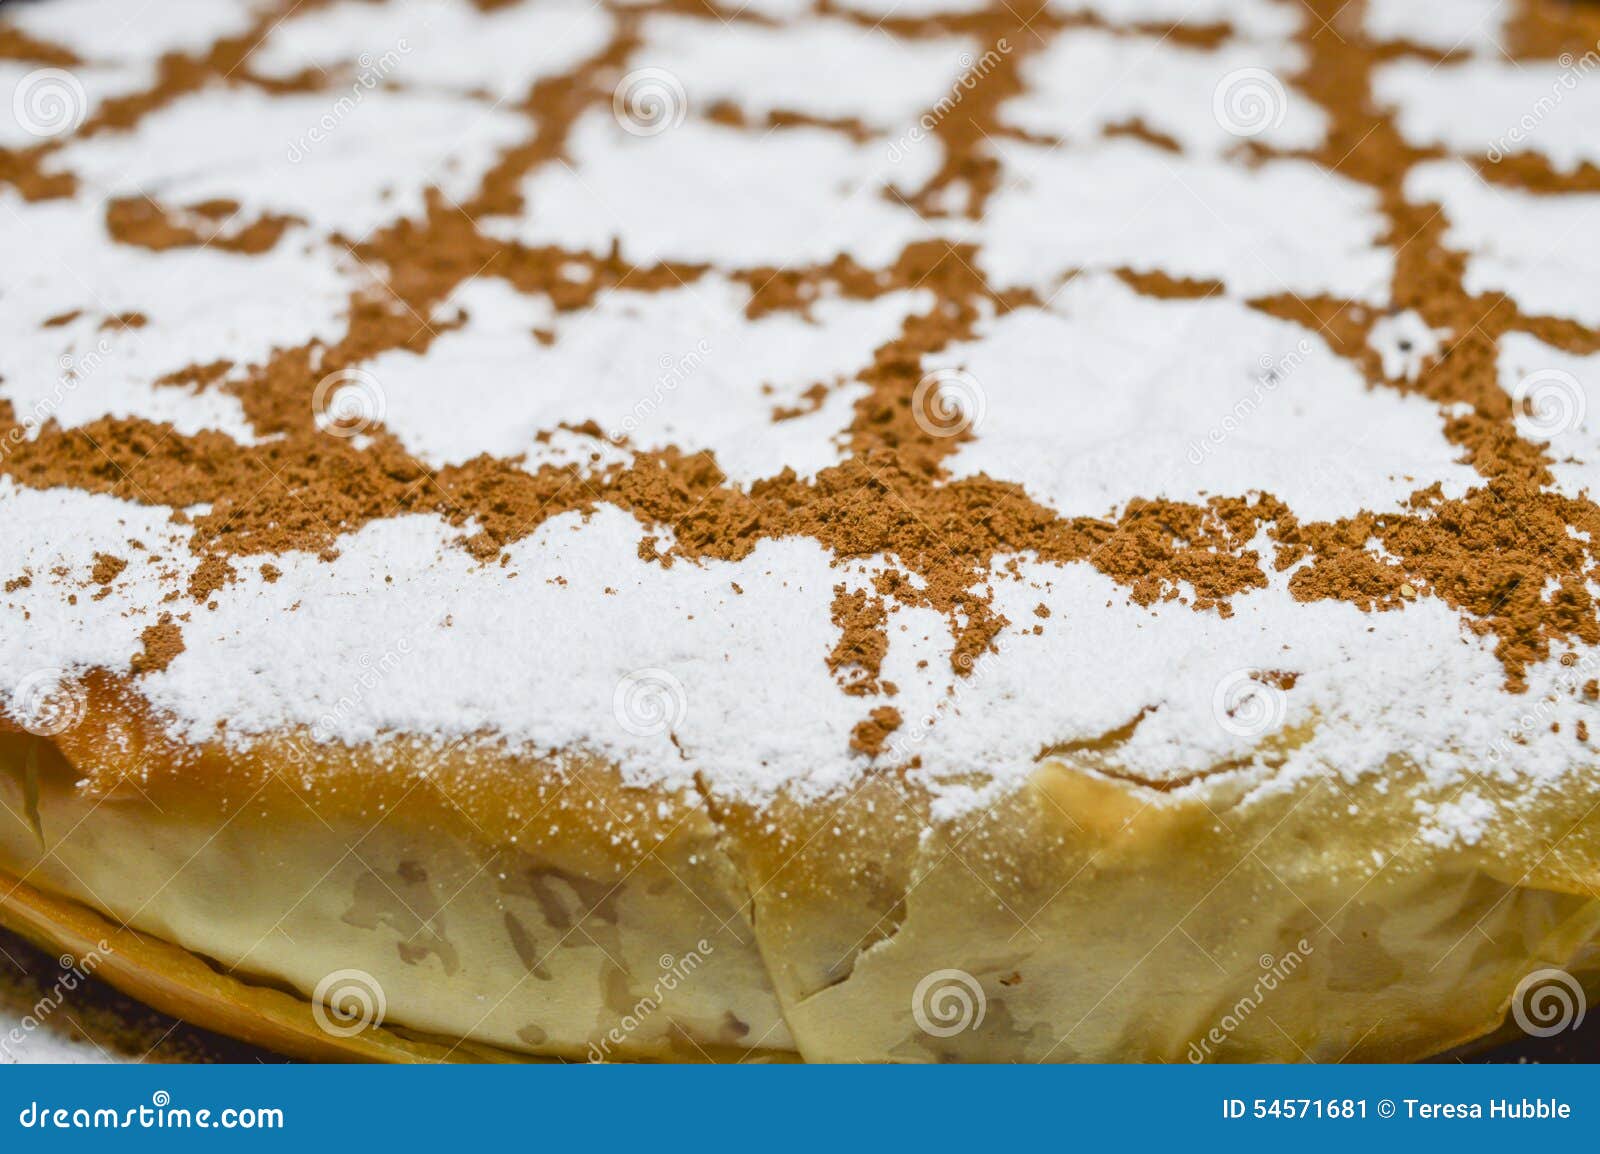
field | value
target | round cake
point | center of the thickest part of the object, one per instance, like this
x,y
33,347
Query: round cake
x,y
972,530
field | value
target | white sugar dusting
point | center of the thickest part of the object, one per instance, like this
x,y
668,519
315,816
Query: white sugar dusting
x,y
1284,226
1250,17
1557,404
113,30
823,68
1496,108
1405,344
1459,26
908,9
693,373
1089,397
342,163
29,118
1539,250
1089,79
1110,396
92,325
702,192
395,634
437,43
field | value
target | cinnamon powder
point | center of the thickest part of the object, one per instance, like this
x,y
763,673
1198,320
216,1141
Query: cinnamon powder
x,y
159,644
870,736
1491,554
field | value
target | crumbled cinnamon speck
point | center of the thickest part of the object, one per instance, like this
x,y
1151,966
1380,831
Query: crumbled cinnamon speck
x,y
106,568
869,736
160,643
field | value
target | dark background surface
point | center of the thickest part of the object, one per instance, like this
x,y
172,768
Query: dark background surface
x,y
109,1025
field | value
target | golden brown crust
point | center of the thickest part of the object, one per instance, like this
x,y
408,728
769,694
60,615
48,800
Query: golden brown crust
x,y
489,899
1095,910
180,984
1093,918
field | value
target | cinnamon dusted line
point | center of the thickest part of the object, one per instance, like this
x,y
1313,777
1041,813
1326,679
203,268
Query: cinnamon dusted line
x,y
1488,554
142,223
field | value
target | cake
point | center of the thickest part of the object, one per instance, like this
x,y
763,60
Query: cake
x,y
839,530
